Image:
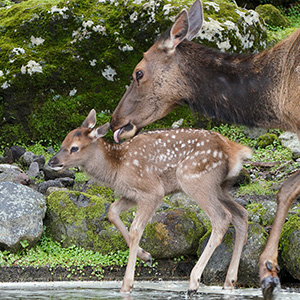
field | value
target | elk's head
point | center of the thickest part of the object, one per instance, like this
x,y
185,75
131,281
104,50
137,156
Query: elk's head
x,y
75,148
158,84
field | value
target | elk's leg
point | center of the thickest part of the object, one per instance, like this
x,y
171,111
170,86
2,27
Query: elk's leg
x,y
240,223
268,266
115,209
206,195
144,213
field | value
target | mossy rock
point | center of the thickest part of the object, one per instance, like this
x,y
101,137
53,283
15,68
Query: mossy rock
x,y
272,15
267,139
59,59
262,213
75,218
290,246
173,233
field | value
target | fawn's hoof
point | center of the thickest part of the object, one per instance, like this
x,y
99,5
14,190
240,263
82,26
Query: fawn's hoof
x,y
270,287
191,293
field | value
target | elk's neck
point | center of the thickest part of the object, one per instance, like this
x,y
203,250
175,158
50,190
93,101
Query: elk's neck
x,y
234,88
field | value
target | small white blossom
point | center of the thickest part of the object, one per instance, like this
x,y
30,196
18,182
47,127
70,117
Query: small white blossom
x,y
1,73
18,51
36,41
214,5
32,67
126,48
5,85
93,62
109,73
73,92
86,24
61,11
133,17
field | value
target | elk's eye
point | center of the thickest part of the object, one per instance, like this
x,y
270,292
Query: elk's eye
x,y
139,75
74,149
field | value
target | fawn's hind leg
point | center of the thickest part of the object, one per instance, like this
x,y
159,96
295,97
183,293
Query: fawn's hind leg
x,y
204,190
240,223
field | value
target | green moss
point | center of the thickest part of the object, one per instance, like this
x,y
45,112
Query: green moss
x,y
267,139
272,15
291,225
87,225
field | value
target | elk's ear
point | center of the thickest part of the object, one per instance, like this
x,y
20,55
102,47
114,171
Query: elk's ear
x,y
100,131
90,120
186,26
195,19
178,31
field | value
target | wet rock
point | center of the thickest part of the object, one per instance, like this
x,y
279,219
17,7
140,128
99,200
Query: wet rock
x,y
21,216
216,269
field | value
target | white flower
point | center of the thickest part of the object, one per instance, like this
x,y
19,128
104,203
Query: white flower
x,y
73,92
109,73
18,51
61,11
93,62
5,85
86,24
1,73
36,41
126,48
32,67
133,17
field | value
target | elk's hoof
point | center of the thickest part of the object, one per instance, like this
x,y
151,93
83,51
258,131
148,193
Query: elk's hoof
x,y
270,287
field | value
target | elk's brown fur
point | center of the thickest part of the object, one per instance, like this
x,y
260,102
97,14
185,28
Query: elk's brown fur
x,y
257,90
156,163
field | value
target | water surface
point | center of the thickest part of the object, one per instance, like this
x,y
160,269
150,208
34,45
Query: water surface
x,y
143,290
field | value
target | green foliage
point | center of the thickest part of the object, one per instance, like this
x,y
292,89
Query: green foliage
x,y
47,253
256,188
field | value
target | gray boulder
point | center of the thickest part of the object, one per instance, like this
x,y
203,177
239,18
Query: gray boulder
x,y
216,269
21,216
290,140
9,172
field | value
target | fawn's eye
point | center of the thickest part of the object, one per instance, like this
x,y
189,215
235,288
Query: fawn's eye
x,y
74,149
139,75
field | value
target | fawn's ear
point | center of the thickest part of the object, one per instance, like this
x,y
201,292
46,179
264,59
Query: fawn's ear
x,y
100,131
90,120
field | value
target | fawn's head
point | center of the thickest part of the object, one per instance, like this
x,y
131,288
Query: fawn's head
x,y
75,147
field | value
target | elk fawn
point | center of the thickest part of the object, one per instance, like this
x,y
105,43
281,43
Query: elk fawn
x,y
156,163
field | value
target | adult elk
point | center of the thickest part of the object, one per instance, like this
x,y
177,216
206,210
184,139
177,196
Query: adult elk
x,y
153,164
256,90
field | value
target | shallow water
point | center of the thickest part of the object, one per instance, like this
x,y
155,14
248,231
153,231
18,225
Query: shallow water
x,y
143,290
